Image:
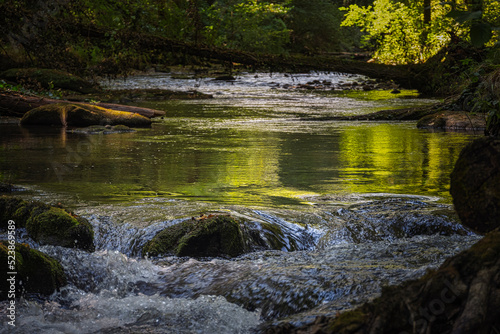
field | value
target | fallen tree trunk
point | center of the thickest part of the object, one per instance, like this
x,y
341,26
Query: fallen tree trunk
x,y
413,76
16,104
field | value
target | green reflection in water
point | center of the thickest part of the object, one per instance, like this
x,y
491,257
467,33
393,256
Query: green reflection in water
x,y
244,161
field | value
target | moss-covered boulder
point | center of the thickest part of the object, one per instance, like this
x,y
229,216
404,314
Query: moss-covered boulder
x,y
475,185
212,236
462,296
36,271
49,79
47,224
81,115
57,227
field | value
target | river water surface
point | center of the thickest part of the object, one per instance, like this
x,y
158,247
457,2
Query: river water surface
x,y
354,205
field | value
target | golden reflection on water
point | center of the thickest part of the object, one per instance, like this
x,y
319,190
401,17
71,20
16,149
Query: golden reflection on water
x,y
253,165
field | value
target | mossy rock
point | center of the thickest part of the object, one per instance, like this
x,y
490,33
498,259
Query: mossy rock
x,y
475,185
81,115
57,227
213,236
36,271
47,224
18,210
49,79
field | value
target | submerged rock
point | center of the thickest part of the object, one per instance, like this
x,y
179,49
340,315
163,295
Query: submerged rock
x,y
100,129
462,296
36,271
68,114
453,120
212,236
46,224
475,185
49,79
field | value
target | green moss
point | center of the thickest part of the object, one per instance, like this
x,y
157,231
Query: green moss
x,y
348,322
57,227
214,236
46,224
36,271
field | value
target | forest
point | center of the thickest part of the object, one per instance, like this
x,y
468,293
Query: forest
x,y
439,48
250,166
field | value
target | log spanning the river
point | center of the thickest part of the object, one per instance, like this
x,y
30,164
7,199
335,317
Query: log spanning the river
x,y
413,76
17,104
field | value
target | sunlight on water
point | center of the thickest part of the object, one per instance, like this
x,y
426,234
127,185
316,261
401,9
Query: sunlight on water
x,y
336,209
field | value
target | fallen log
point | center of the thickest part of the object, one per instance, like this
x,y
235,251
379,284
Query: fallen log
x,y
17,104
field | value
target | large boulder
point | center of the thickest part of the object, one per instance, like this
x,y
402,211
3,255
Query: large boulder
x,y
81,115
475,185
36,272
57,227
462,296
49,79
47,224
211,236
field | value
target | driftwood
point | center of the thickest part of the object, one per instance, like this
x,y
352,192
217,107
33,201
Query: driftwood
x,y
16,104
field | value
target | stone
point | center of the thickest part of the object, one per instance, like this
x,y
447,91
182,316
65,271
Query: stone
x,y
209,236
47,224
36,271
475,185
68,114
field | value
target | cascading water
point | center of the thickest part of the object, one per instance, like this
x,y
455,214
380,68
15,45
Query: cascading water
x,y
320,242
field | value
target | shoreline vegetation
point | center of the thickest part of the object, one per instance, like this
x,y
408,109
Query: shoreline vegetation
x,y
448,50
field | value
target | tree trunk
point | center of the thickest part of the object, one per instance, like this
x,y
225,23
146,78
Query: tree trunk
x,y
427,12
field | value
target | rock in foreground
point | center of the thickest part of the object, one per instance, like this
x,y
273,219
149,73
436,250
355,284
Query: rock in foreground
x,y
212,236
68,114
36,271
475,185
47,224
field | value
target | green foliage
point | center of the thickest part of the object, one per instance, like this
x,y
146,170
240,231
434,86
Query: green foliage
x,y
251,25
315,25
396,30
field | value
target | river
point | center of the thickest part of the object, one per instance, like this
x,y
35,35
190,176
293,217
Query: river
x,y
357,205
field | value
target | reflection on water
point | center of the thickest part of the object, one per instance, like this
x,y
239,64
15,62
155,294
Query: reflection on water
x,y
243,160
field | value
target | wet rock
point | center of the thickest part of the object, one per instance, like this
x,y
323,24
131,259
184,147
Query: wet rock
x,y
453,120
49,79
47,224
59,228
36,271
462,296
68,114
207,236
225,78
475,185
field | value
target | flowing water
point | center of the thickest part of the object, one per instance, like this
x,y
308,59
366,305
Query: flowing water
x,y
342,208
